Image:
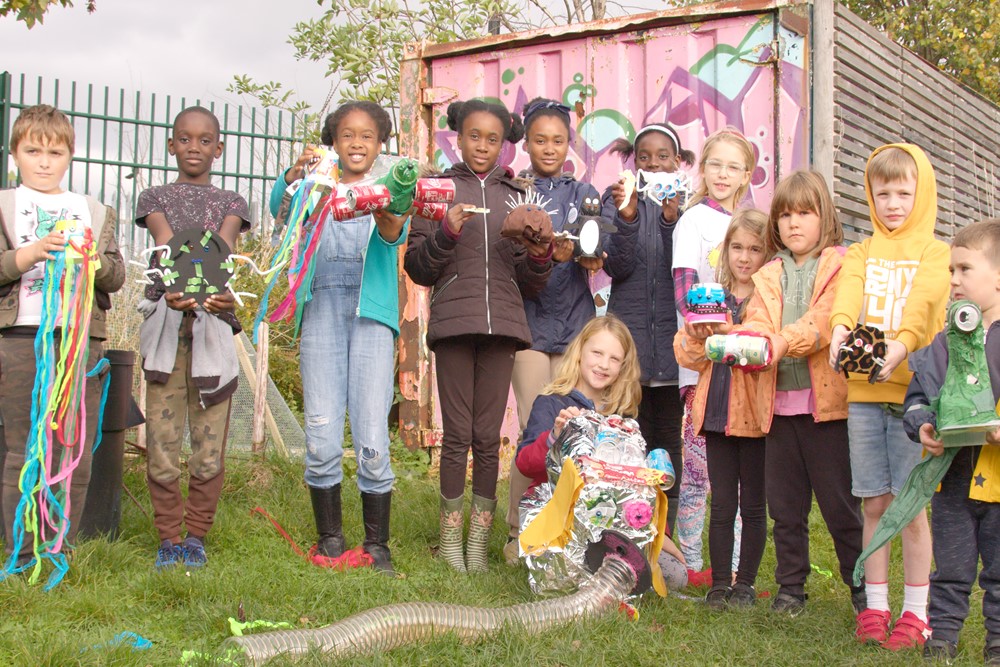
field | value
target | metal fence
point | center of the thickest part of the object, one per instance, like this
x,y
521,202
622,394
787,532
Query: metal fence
x,y
121,144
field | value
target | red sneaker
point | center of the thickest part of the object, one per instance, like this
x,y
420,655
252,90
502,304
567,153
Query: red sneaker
x,y
873,626
909,632
701,579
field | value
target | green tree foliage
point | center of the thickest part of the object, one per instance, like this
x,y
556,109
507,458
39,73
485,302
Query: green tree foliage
x,y
960,38
362,41
33,11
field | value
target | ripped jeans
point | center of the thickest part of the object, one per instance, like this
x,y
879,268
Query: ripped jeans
x,y
347,364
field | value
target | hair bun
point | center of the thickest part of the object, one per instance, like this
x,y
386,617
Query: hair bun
x,y
516,132
454,115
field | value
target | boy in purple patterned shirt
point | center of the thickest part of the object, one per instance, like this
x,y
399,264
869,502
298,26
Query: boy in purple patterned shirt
x,y
191,202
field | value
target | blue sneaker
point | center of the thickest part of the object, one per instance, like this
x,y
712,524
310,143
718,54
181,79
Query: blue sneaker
x,y
194,552
168,555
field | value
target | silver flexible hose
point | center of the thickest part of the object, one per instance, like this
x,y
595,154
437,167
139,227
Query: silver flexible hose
x,y
385,628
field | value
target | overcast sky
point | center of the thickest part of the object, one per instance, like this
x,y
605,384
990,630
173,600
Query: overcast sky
x,y
177,47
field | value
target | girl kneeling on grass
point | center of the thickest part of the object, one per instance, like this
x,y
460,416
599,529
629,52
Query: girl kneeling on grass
x,y
599,371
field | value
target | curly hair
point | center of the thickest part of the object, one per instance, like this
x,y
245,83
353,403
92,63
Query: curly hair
x,y
626,148
383,122
543,107
512,125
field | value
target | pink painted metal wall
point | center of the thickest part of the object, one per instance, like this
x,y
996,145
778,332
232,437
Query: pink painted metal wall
x,y
747,71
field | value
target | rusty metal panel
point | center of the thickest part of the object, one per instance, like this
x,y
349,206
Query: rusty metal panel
x,y
698,71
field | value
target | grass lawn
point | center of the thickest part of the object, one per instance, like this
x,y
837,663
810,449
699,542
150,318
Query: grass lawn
x,y
112,587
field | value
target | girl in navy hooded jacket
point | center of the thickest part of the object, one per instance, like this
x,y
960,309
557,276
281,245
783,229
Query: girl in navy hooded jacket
x,y
559,311
600,372
642,289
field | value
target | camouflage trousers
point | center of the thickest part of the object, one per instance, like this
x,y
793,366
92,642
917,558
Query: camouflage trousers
x,y
17,377
167,405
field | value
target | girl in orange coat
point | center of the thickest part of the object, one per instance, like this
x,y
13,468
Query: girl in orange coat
x,y
723,410
802,400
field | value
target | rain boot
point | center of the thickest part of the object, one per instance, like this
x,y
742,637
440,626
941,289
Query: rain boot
x,y
479,533
326,509
375,509
452,518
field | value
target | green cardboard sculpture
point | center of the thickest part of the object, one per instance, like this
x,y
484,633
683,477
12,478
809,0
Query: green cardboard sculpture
x,y
965,413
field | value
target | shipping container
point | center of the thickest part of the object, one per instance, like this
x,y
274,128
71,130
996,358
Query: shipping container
x,y
807,81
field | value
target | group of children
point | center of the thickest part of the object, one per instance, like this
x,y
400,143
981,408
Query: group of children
x,y
795,428
505,310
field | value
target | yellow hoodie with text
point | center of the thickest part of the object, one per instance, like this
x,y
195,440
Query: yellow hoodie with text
x,y
897,281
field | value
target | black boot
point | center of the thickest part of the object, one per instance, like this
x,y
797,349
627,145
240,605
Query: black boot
x,y
375,508
326,509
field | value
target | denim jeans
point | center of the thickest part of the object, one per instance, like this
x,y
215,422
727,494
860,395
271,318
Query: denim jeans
x,y
882,456
347,364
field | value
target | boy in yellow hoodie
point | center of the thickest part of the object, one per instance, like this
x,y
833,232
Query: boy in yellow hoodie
x,y
896,281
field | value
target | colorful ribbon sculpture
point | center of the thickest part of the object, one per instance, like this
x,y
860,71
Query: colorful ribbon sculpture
x,y
312,205
307,216
58,406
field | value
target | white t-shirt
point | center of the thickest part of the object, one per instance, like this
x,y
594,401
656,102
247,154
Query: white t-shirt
x,y
35,216
697,241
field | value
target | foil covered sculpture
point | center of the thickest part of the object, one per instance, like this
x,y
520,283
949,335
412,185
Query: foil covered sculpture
x,y
599,480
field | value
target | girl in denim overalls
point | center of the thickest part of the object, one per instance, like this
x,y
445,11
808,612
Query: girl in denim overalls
x,y
348,337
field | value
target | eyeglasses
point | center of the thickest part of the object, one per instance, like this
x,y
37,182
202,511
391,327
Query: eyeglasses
x,y
716,167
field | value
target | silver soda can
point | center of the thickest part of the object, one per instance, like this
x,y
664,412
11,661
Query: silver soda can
x,y
737,350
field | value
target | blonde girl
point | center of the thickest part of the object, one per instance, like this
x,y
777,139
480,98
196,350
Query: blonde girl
x,y
600,371
802,400
727,162
723,412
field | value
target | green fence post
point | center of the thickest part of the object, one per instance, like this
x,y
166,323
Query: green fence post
x,y
4,127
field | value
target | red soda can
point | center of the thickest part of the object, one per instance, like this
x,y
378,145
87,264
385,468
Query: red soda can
x,y
368,198
434,190
432,210
341,210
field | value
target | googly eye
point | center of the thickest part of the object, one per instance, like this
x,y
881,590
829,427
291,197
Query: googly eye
x,y
966,317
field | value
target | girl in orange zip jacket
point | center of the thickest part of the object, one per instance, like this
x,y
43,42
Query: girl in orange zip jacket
x,y
802,400
723,410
